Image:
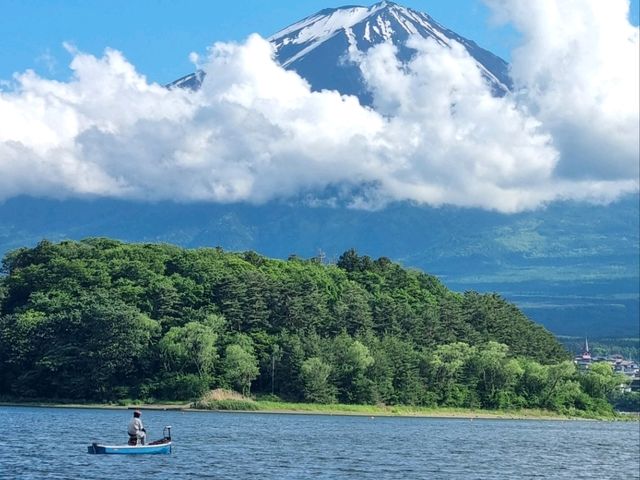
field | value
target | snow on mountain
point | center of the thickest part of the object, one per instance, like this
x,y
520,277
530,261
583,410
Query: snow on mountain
x,y
191,81
317,46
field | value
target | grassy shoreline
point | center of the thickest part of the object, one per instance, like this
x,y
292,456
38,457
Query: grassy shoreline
x,y
270,407
400,411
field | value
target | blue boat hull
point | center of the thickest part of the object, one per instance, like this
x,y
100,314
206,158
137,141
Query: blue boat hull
x,y
164,448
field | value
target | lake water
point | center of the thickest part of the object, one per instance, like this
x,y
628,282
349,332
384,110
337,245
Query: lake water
x,y
51,443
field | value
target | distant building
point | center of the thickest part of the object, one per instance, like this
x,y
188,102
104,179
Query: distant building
x,y
583,361
630,368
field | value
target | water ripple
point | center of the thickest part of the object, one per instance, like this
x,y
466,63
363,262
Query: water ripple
x,y
300,447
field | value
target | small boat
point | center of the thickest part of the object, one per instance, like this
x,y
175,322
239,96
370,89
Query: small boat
x,y
159,447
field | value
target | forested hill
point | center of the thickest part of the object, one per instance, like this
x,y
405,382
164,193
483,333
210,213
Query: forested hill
x,y
101,319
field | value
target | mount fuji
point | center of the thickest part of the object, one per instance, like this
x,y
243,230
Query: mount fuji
x,y
318,47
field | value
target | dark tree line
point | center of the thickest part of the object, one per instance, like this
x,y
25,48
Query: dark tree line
x,y
103,320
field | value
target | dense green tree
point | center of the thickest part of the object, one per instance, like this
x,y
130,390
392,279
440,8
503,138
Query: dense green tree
x,y
446,369
627,401
315,380
240,366
600,381
494,376
350,360
351,311
101,319
191,348
561,389
408,386
533,386
96,351
349,261
455,326
288,369
163,298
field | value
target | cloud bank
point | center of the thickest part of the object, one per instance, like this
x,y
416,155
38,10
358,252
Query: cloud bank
x,y
578,70
256,132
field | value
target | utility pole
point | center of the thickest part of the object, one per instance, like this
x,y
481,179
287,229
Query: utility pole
x,y
273,373
274,353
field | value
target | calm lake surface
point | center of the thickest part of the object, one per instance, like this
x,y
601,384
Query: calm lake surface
x,y
51,443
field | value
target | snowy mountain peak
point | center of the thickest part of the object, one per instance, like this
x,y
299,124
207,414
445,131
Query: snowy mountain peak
x,y
316,46
381,22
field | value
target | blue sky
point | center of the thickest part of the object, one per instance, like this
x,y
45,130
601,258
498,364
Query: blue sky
x,y
158,35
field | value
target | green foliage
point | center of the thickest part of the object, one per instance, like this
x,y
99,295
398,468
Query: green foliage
x,y
91,351
182,386
494,375
350,359
240,365
315,379
445,373
627,401
103,320
191,347
600,381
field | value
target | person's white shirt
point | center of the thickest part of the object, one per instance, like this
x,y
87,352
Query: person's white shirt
x,y
136,428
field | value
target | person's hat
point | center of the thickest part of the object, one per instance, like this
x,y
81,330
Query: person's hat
x,y
137,413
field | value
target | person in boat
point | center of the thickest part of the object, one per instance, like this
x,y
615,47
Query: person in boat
x,y
137,433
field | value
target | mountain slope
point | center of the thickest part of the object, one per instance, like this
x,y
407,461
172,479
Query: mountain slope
x,y
572,267
317,47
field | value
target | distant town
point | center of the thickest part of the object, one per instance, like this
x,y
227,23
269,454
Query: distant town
x,y
629,368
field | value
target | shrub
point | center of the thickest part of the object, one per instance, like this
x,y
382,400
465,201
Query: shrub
x,y
229,404
182,387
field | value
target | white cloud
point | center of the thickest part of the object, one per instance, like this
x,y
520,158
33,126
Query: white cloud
x,y
255,132
578,67
450,140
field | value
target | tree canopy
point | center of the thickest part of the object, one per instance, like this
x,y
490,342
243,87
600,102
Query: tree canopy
x,y
101,320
